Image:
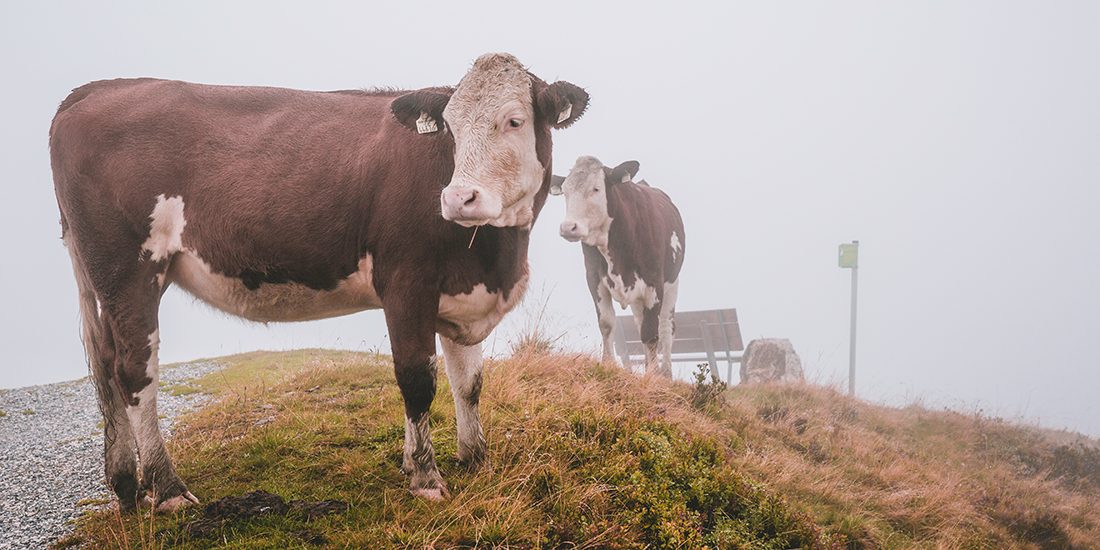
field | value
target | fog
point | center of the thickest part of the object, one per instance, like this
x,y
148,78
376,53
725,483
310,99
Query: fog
x,y
958,141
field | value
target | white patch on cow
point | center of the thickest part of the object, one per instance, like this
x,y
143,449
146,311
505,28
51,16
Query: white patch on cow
x,y
586,216
166,228
676,246
639,293
275,302
469,318
98,308
499,161
143,416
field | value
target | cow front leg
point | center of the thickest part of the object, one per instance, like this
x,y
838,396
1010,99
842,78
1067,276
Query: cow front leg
x,y
416,378
464,373
605,315
410,316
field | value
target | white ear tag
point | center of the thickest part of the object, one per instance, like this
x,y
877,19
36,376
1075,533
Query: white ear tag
x,y
426,124
626,178
565,113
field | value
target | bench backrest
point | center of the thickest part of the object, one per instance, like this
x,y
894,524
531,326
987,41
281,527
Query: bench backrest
x,y
711,335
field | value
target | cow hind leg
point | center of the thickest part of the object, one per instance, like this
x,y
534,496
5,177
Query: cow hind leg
x,y
140,370
649,330
667,327
119,459
464,373
128,379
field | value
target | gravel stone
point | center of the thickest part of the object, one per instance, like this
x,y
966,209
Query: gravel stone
x,y
51,452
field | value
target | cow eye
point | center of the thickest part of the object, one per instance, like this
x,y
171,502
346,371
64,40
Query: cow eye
x,y
515,122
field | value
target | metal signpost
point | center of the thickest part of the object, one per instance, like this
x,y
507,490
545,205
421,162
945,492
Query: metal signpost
x,y
849,258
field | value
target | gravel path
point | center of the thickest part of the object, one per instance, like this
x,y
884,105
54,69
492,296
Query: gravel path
x,y
51,453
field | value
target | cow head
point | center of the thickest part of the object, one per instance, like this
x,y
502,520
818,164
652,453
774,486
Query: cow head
x,y
500,116
585,190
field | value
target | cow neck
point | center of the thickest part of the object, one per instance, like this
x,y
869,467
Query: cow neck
x,y
617,247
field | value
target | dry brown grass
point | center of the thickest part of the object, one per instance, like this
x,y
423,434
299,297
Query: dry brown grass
x,y
581,456
584,455
911,477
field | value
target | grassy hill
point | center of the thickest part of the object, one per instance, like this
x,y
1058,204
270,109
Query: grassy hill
x,y
588,456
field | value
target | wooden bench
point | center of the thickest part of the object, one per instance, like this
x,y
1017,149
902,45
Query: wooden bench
x,y
712,336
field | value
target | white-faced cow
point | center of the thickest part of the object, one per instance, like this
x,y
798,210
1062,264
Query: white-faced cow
x,y
633,242
283,205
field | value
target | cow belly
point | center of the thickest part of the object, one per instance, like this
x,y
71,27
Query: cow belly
x,y
274,302
469,318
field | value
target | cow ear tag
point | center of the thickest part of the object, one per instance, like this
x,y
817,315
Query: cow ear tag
x,y
565,113
426,124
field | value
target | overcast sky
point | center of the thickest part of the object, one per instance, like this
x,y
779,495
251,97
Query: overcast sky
x,y
958,141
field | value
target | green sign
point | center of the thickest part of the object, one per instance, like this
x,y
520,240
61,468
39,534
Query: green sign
x,y
849,254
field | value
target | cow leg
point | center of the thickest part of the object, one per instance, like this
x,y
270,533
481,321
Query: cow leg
x,y
648,324
137,342
667,327
464,373
605,315
119,460
410,317
127,339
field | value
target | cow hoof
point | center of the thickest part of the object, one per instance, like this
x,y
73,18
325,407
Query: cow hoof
x,y
431,493
428,485
177,502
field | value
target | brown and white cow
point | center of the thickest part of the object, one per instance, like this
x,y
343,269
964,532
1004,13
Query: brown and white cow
x,y
284,205
633,243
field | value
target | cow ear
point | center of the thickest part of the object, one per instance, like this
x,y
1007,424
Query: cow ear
x,y
421,110
555,184
562,103
624,172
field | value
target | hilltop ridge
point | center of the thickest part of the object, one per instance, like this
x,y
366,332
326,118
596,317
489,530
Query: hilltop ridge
x,y
588,455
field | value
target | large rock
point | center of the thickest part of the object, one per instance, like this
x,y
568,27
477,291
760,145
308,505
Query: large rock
x,y
770,360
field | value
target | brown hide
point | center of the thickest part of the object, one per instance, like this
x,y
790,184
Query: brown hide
x,y
643,220
282,188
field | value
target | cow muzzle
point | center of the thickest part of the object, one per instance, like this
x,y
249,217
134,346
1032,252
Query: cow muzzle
x,y
468,205
572,231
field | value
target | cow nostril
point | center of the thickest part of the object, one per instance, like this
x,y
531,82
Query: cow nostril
x,y
472,199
